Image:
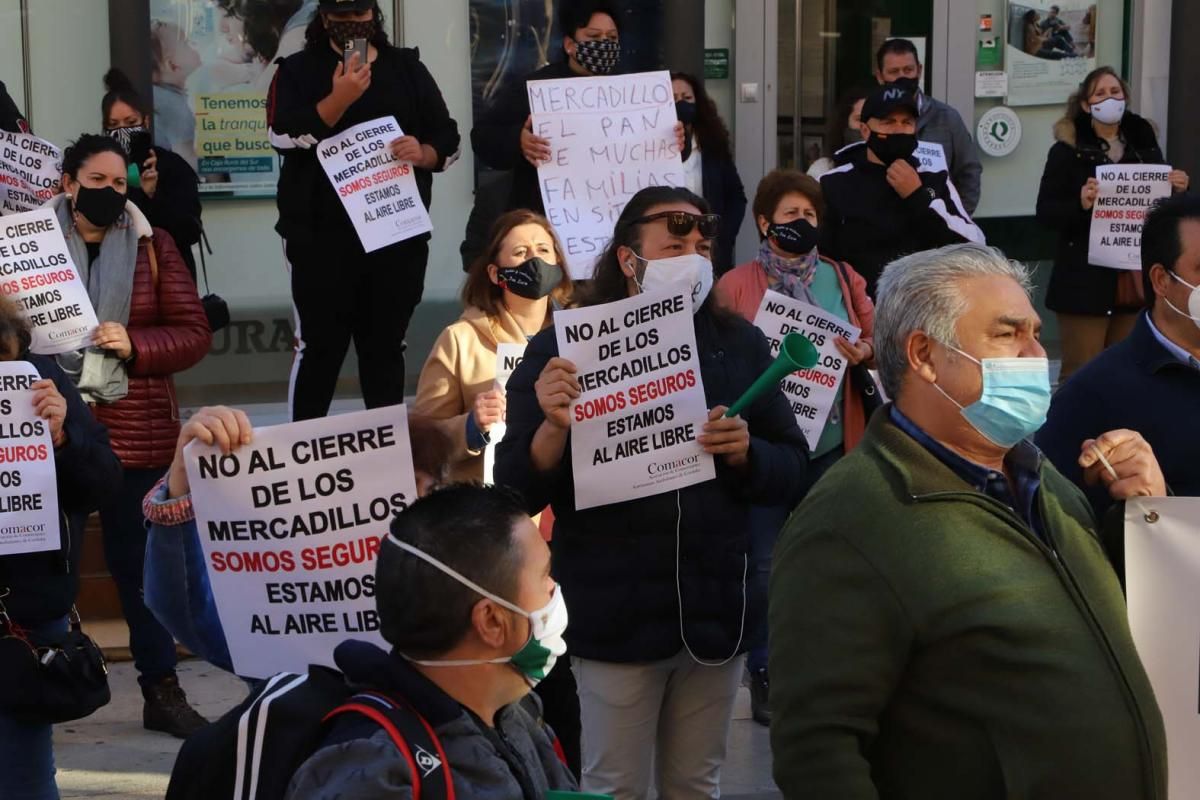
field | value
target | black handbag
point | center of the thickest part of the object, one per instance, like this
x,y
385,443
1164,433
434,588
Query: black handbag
x,y
56,679
215,307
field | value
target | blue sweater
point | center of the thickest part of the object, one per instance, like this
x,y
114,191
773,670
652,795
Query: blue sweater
x,y
1136,384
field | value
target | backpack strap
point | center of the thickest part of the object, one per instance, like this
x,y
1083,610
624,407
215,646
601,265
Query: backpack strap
x,y
153,264
413,737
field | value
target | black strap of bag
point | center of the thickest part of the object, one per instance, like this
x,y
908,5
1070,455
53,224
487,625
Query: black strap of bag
x,y
215,307
860,375
56,679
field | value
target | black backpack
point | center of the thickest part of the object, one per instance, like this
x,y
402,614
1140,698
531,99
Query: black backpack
x,y
252,752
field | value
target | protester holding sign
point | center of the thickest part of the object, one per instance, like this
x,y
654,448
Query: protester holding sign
x,y
161,183
152,325
1096,306
657,584
787,212
37,590
1150,381
340,291
177,585
507,300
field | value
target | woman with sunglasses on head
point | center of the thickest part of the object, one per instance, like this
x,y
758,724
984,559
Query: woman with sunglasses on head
x,y
507,300
787,213
657,585
162,185
708,166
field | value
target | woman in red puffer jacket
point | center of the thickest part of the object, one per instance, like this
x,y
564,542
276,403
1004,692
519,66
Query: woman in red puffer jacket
x,y
152,325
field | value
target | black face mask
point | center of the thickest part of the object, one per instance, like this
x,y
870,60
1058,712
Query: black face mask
x,y
685,110
342,32
797,237
532,279
892,146
907,84
101,207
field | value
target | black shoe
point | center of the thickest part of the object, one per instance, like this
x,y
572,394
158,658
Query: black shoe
x,y
759,695
166,709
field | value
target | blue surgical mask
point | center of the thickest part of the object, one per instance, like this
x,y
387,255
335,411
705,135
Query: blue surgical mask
x,y
1015,398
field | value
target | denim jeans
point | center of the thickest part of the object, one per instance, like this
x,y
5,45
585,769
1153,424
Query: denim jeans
x,y
27,750
124,526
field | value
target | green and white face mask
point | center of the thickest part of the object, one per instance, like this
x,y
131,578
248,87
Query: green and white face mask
x,y
546,627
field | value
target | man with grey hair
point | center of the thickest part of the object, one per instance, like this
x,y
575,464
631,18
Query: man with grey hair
x,y
944,621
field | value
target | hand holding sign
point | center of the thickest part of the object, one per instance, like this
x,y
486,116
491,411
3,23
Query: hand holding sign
x,y
489,409
1179,180
410,149
855,353
557,387
1088,194
1130,457
50,405
536,149
226,428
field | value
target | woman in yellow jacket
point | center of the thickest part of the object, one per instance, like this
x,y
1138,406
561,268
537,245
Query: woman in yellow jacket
x,y
506,299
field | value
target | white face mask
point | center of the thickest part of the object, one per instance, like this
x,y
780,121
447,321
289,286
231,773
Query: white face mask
x,y
691,275
546,627
1193,312
1108,111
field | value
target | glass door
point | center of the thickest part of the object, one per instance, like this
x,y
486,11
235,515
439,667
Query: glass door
x,y
826,50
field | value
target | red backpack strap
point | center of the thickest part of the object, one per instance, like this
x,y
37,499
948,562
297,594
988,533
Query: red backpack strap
x,y
404,725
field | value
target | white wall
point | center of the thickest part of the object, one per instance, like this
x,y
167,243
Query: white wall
x,y
1010,184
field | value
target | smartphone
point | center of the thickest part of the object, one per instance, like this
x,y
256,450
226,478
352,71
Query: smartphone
x,y
136,143
350,48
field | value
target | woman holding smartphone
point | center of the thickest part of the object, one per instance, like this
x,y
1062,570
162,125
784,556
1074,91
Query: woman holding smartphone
x,y
161,184
340,292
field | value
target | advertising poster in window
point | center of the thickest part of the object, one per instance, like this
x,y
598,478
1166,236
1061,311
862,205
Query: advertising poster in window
x,y
212,62
1050,48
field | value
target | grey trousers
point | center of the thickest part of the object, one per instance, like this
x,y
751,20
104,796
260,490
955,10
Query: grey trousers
x,y
663,724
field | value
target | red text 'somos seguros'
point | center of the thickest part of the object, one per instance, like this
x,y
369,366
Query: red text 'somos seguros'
x,y
390,174
342,554
635,395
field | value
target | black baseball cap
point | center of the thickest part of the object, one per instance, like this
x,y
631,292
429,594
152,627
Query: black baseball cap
x,y
886,99
336,6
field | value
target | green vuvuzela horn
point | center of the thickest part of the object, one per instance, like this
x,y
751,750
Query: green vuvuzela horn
x,y
795,352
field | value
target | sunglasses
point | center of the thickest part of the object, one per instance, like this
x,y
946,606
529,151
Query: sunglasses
x,y
681,223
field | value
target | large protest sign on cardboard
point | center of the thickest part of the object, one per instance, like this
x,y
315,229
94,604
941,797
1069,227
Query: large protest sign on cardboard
x,y
1162,578
635,423
508,356
1126,193
610,137
29,520
290,526
36,272
378,192
810,392
30,169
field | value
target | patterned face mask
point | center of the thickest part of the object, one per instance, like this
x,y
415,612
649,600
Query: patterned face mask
x,y
599,57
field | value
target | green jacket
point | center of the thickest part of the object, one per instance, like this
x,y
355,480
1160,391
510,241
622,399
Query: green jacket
x,y
926,645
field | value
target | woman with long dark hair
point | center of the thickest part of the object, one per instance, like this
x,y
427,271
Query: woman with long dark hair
x,y
1096,306
163,186
340,292
708,165
657,585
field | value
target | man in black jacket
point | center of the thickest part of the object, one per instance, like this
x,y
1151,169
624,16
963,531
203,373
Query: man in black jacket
x,y
339,291
878,205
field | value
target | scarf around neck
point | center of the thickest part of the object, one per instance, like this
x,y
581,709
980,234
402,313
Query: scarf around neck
x,y
99,375
791,276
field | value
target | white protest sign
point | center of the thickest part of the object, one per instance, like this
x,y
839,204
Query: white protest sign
x,y
810,392
379,193
29,521
508,356
634,426
30,169
1126,193
37,274
1162,579
932,157
610,137
290,526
